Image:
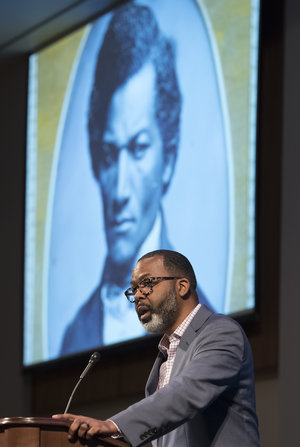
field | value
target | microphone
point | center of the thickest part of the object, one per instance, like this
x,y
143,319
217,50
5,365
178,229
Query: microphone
x,y
95,357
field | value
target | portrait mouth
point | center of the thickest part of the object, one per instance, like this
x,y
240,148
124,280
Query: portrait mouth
x,y
122,225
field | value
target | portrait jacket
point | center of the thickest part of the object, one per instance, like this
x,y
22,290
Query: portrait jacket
x,y
210,399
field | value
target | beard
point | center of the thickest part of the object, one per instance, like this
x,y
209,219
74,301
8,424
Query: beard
x,y
164,316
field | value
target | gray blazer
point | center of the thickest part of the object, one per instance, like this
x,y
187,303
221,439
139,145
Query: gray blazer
x,y
210,399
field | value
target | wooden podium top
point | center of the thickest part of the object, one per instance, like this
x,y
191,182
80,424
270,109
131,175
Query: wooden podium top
x,y
21,431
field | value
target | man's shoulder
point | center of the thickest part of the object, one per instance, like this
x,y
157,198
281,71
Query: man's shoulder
x,y
215,326
211,317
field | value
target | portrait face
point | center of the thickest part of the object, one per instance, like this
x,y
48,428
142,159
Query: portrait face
x,y
132,170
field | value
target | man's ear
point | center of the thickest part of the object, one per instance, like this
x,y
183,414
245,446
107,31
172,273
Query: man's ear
x,y
184,287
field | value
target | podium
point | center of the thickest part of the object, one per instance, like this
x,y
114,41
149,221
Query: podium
x,y
44,432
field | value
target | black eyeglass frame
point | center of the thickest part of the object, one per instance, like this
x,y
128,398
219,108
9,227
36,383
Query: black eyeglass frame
x,y
154,280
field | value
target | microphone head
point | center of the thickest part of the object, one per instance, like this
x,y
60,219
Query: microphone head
x,y
95,357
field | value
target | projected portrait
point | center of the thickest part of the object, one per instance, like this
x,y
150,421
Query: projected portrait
x,y
134,128
142,161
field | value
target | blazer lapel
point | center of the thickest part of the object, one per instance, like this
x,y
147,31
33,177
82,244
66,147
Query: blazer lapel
x,y
196,324
190,333
152,381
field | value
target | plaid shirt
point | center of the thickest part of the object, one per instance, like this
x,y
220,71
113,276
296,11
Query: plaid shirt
x,y
168,346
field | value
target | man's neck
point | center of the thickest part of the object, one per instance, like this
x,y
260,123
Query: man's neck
x,y
183,315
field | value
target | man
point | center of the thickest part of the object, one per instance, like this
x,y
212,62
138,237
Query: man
x,y
200,391
134,122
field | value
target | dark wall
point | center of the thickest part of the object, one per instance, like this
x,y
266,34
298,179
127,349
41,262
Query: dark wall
x,y
15,389
289,370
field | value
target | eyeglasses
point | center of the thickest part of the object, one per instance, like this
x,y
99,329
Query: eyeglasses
x,y
146,286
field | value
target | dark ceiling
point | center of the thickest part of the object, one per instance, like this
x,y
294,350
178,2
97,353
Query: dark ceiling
x,y
26,25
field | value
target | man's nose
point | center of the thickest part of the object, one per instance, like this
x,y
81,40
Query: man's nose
x,y
140,296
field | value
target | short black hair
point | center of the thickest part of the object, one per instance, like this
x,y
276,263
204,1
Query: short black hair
x,y
176,264
132,39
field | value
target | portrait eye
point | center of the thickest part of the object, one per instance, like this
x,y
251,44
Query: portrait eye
x,y
139,150
109,154
139,145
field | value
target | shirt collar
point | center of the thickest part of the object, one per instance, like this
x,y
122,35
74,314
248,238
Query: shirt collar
x,y
178,333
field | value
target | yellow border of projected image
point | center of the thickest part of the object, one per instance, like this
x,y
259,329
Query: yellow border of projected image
x,y
231,24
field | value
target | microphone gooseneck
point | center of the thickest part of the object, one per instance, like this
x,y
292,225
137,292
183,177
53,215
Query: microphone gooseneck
x,y
95,357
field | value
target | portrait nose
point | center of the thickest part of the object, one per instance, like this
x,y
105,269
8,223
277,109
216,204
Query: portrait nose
x,y
123,179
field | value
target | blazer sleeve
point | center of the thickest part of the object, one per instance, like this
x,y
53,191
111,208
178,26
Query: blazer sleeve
x,y
213,364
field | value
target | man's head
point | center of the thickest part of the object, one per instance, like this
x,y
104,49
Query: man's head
x,y
133,126
164,286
